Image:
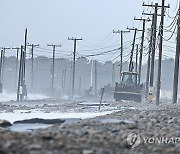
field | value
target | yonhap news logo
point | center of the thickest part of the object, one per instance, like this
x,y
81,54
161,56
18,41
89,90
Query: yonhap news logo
x,y
135,139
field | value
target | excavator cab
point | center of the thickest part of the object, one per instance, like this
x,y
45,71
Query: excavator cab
x,y
128,88
129,79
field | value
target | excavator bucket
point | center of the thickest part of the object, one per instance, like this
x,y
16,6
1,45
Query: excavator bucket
x,y
129,96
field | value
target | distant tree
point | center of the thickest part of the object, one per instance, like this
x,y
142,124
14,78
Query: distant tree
x,y
82,60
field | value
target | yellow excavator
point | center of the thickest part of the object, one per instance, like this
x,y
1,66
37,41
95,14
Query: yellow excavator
x,y
128,88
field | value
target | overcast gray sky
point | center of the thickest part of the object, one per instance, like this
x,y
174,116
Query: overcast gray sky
x,y
52,21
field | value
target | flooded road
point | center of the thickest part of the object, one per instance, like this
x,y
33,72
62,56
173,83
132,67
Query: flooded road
x,y
66,110
69,111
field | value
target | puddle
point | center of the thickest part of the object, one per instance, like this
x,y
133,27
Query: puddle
x,y
27,127
33,126
127,107
68,117
95,104
19,115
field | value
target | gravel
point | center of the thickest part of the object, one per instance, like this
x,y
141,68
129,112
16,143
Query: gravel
x,y
101,135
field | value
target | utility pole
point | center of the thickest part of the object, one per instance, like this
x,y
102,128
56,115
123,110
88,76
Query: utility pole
x,y
95,77
149,56
74,62
92,67
17,56
149,59
121,32
132,51
19,76
22,89
1,67
64,82
21,83
153,43
53,65
70,80
176,67
3,51
161,30
79,87
153,47
137,50
113,76
133,45
24,60
142,45
35,77
32,65
154,27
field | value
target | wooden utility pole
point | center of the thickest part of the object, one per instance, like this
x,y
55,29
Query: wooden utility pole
x,y
20,90
176,67
121,32
141,49
113,76
17,61
137,50
36,77
32,65
132,51
24,65
74,62
153,47
3,51
149,54
53,65
149,59
1,67
161,30
64,82
70,80
153,43
23,95
92,68
154,27
80,87
19,76
95,77
142,45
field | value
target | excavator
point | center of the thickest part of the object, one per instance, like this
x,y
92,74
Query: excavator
x,y
129,87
